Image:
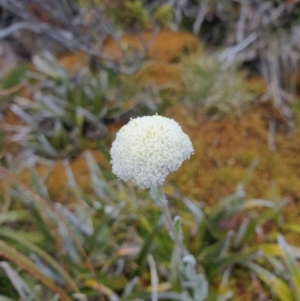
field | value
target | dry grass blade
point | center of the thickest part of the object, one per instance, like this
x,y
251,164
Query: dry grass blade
x,y
100,287
19,259
41,201
14,236
12,216
10,91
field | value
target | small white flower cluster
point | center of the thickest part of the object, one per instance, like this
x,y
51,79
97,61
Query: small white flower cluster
x,y
148,148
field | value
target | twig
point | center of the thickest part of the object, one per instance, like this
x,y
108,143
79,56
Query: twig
x,y
72,37
242,22
39,27
202,10
17,27
275,86
231,51
18,7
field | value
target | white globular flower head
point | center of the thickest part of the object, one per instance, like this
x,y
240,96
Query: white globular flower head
x,y
148,148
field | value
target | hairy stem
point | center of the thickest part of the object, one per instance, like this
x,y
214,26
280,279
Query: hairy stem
x,y
158,195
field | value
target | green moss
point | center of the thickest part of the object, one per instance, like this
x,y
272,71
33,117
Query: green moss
x,y
163,15
208,85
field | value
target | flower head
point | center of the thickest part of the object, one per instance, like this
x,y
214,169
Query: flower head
x,y
148,148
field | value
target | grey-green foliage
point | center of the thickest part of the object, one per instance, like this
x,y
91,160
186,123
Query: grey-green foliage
x,y
107,236
67,108
208,84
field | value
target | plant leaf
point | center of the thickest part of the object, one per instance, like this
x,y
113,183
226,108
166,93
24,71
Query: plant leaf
x,y
23,262
16,237
141,260
18,283
4,298
292,265
276,284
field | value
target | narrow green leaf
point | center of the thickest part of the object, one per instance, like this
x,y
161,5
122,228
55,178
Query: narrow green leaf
x,y
37,184
14,216
13,235
241,233
218,265
177,222
292,227
41,221
250,172
98,180
271,249
292,265
20,286
23,262
142,257
276,284
175,270
263,218
129,288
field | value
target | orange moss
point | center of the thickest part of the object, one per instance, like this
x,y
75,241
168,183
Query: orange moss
x,y
114,51
12,119
74,61
164,46
169,45
160,73
224,150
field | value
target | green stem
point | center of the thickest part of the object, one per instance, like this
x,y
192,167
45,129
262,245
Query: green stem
x,y
158,195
